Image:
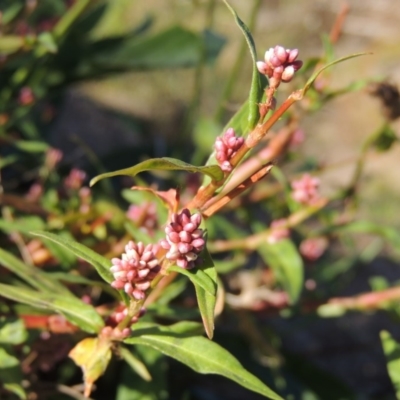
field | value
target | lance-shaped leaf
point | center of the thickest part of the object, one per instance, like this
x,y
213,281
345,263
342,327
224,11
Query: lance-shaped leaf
x,y
135,363
391,348
32,275
255,89
200,354
197,277
99,262
286,262
73,309
317,73
206,300
163,164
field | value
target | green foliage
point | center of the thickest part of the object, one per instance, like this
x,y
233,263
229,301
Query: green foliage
x,y
163,164
177,341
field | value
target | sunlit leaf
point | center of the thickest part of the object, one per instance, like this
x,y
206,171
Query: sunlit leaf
x,y
73,309
165,163
12,331
200,354
205,300
32,275
197,277
100,263
93,356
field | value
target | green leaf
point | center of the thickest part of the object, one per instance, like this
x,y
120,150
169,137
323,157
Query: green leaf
x,y
23,225
256,89
31,146
131,387
74,310
200,354
176,47
197,277
206,300
391,348
135,363
32,275
285,260
66,258
12,331
69,18
165,163
316,74
11,12
100,263
10,44
7,360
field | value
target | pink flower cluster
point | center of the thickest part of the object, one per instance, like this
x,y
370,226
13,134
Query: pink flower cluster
x,y
226,147
184,239
280,65
135,270
305,189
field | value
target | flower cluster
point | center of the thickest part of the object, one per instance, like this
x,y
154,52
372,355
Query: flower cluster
x,y
305,189
226,147
135,270
280,65
184,239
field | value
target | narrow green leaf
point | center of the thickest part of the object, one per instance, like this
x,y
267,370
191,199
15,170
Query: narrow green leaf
x,y
69,18
285,260
135,363
12,331
165,163
197,277
100,263
31,146
74,310
32,275
255,89
316,74
11,12
200,354
206,300
23,225
391,348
